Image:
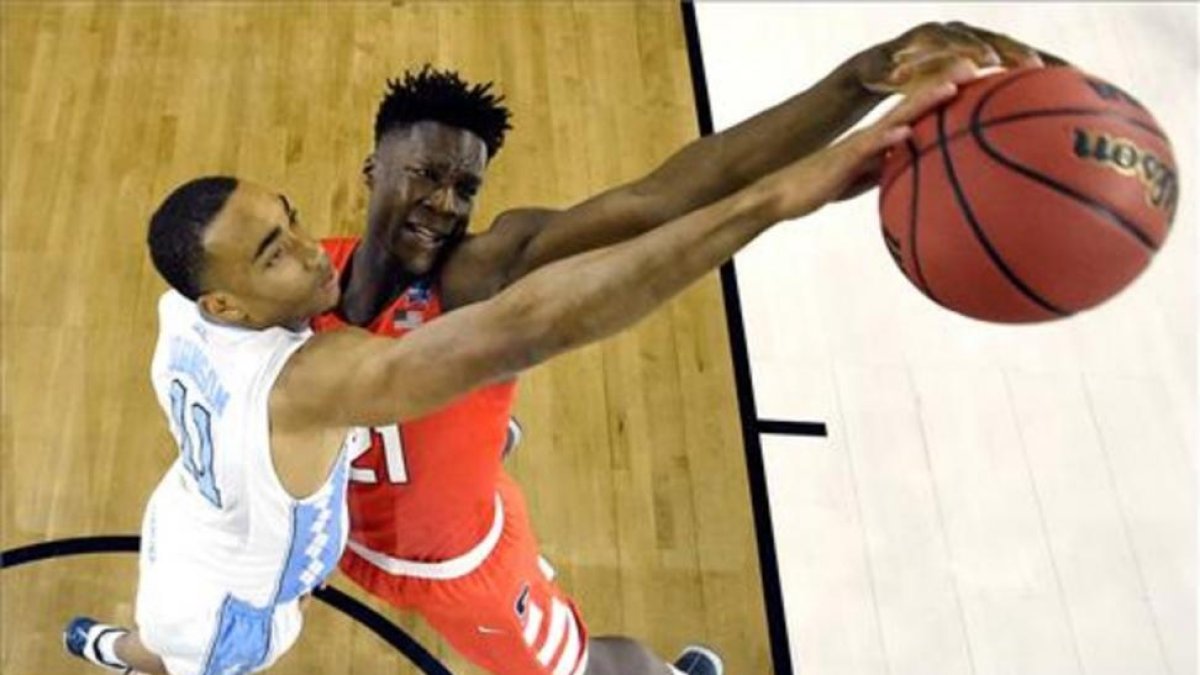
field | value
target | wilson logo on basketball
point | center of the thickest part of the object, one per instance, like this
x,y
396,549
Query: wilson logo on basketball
x,y
1126,158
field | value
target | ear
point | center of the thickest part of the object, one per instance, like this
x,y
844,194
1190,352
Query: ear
x,y
368,170
222,307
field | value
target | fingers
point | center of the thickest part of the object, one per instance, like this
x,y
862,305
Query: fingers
x,y
930,68
852,165
952,51
937,39
1013,54
964,41
947,66
934,52
894,127
916,104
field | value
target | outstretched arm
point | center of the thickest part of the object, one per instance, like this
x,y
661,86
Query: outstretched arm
x,y
352,378
718,165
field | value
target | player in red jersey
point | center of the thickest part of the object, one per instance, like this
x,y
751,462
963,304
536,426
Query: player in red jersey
x,y
437,525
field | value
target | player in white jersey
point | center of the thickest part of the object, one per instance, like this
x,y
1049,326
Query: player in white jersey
x,y
229,546
220,519
251,516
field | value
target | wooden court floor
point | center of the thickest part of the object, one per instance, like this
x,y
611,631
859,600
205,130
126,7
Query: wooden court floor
x,y
633,459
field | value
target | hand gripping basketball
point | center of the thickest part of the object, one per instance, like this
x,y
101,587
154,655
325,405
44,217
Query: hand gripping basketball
x,y
1037,193
930,52
810,183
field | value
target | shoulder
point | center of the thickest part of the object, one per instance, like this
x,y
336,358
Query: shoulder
x,y
513,229
482,264
265,362
305,379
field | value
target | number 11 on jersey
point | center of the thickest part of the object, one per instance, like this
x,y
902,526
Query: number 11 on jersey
x,y
392,443
197,455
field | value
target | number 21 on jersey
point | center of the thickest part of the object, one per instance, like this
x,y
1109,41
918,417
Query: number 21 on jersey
x,y
392,443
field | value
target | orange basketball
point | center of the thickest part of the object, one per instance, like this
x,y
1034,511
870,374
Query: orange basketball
x,y
1034,194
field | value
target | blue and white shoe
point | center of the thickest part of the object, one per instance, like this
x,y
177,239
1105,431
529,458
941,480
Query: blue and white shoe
x,y
80,636
699,660
75,635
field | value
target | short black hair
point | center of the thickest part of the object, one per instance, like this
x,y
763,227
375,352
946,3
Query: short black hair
x,y
176,236
443,96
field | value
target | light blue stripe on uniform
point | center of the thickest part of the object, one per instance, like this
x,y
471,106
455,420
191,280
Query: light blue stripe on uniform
x,y
243,638
317,535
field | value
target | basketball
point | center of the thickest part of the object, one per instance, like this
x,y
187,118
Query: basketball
x,y
1033,195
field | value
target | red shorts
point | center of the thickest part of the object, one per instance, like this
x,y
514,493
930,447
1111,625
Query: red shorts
x,y
506,615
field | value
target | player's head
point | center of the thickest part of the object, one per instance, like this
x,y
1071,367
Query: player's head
x,y
237,249
434,135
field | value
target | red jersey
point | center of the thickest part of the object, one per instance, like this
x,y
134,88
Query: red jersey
x,y
424,490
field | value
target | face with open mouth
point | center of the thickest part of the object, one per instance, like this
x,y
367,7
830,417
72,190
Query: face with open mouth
x,y
423,180
418,245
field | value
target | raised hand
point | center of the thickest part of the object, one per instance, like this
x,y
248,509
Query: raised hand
x,y
852,164
933,52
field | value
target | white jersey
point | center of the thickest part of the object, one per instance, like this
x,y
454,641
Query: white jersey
x,y
222,538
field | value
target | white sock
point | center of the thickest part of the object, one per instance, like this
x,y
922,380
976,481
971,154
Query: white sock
x,y
101,647
675,671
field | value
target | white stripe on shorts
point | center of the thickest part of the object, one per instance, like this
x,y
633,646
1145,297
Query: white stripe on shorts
x,y
533,624
579,669
558,624
571,652
547,570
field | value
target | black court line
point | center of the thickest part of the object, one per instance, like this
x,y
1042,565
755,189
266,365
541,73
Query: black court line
x,y
369,618
781,655
786,428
